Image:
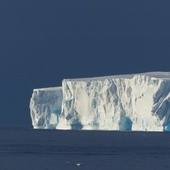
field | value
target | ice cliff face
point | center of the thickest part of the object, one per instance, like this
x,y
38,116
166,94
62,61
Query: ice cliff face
x,y
127,102
45,107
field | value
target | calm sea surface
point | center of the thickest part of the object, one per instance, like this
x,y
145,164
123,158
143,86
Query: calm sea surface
x,y
24,148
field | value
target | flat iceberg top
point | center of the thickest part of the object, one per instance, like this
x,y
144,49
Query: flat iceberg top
x,y
163,75
48,89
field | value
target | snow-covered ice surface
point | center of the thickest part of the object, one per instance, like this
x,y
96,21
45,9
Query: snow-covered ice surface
x,y
85,150
138,102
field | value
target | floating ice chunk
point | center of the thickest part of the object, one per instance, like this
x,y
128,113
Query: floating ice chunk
x,y
122,102
45,107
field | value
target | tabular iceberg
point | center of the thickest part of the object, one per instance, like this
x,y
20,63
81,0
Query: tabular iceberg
x,y
138,102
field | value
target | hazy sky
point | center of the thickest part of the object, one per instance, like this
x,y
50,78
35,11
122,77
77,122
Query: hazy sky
x,y
42,42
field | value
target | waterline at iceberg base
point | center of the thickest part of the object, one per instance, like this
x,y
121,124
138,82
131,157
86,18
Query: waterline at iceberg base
x,y
137,102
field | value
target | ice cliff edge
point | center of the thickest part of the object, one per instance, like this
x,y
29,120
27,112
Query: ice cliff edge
x,y
139,102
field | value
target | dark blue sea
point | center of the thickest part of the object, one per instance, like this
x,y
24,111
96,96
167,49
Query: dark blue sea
x,y
26,148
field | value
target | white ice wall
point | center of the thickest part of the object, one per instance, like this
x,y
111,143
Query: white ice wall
x,y
45,107
128,102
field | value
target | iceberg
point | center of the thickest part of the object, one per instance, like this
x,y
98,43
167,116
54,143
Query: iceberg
x,y
45,107
134,102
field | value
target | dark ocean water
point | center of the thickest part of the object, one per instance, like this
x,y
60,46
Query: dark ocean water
x,y
25,148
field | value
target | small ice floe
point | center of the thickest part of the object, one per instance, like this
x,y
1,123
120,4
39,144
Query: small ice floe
x,y
78,164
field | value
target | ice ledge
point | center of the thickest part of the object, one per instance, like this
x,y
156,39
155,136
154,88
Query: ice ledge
x,y
47,89
121,102
158,74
